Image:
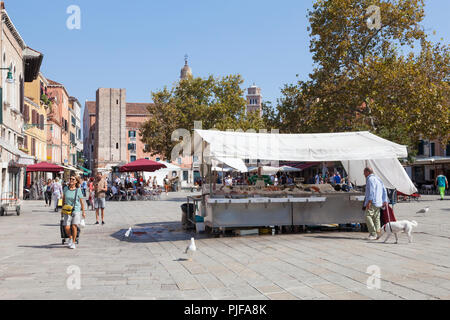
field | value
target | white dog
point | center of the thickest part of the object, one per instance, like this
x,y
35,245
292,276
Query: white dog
x,y
398,226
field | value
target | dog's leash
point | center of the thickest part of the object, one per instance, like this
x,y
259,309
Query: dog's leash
x,y
389,219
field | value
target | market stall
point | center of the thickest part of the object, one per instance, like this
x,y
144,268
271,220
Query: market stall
x,y
170,170
295,204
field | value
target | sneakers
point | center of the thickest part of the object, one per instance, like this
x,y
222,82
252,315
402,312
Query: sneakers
x,y
103,222
97,222
372,238
72,246
70,243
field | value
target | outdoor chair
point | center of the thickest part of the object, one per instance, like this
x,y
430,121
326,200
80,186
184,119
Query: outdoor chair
x,y
156,194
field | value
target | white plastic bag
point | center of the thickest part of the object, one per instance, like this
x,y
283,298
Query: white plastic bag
x,y
83,223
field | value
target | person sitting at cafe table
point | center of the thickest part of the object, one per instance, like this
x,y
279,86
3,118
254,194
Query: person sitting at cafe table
x,y
337,178
259,176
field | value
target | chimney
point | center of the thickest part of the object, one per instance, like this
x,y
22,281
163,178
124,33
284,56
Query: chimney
x,y
2,5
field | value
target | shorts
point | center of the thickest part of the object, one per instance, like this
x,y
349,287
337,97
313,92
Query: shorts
x,y
73,219
99,203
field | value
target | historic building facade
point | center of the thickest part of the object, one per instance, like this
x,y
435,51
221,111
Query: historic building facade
x,y
19,65
111,130
58,137
75,135
254,100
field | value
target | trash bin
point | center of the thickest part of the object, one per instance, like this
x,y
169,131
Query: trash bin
x,y
186,212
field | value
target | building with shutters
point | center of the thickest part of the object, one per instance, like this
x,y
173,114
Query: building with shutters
x,y
75,135
111,130
35,118
58,135
20,64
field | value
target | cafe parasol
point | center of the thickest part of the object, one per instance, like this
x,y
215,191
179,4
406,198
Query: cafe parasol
x,y
44,167
142,165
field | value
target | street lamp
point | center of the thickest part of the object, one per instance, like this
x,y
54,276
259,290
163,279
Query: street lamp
x,y
9,77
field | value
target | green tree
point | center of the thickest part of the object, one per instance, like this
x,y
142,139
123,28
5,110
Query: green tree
x,y
362,80
217,102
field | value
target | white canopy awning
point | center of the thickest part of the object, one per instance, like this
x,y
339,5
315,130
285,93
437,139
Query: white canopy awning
x,y
24,158
266,170
235,163
72,168
289,169
169,166
390,171
300,147
354,149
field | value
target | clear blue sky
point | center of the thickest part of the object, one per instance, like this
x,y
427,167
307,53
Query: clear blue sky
x,y
140,45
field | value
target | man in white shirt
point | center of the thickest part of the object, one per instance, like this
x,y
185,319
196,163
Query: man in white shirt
x,y
228,181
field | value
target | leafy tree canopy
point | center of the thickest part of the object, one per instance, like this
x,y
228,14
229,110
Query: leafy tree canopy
x,y
362,78
217,102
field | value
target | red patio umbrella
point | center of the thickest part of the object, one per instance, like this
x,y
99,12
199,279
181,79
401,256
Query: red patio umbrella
x,y
142,165
44,167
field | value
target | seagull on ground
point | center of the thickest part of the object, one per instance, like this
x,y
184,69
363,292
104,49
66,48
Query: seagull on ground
x,y
190,250
424,210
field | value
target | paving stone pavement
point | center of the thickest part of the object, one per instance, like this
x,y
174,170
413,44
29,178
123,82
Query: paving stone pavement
x,y
151,264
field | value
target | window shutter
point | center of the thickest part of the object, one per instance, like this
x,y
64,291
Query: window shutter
x,y
25,113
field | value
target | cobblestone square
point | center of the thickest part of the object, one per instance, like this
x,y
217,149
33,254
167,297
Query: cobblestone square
x,y
151,264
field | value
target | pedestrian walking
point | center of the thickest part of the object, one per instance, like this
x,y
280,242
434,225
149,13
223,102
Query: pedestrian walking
x,y
375,198
90,201
48,193
167,184
73,196
84,187
441,183
317,179
100,187
57,192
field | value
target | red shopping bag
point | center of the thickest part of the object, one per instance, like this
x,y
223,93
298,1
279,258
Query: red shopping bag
x,y
387,215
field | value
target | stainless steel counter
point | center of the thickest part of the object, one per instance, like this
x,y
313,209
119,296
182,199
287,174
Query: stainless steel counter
x,y
333,208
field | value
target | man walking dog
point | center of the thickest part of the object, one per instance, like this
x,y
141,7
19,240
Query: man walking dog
x,y
375,198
